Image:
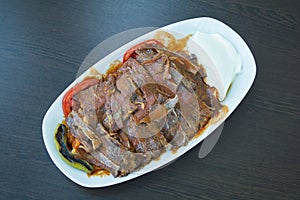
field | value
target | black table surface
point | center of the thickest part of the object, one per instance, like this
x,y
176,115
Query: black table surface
x,y
42,44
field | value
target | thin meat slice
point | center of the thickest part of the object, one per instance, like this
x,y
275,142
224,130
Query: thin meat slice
x,y
88,103
109,154
172,131
163,74
189,110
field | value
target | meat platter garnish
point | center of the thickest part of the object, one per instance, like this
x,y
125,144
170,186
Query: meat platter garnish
x,y
154,100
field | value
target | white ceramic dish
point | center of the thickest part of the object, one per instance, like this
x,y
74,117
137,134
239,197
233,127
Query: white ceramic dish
x,y
237,92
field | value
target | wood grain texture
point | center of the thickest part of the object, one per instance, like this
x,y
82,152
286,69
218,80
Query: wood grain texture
x,y
42,44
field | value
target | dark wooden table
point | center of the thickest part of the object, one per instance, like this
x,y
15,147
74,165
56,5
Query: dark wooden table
x,y
42,44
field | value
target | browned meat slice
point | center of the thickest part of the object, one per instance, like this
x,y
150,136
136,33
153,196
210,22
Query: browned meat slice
x,y
124,140
80,130
121,108
163,74
146,138
88,103
108,153
189,110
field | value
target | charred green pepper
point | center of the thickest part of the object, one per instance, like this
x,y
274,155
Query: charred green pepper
x,y
65,153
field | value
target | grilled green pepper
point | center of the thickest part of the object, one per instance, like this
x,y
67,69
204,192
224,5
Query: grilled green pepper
x,y
65,153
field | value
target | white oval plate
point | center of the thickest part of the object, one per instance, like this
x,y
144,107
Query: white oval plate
x,y
237,92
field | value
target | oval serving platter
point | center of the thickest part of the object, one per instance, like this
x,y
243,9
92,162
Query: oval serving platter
x,y
237,92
